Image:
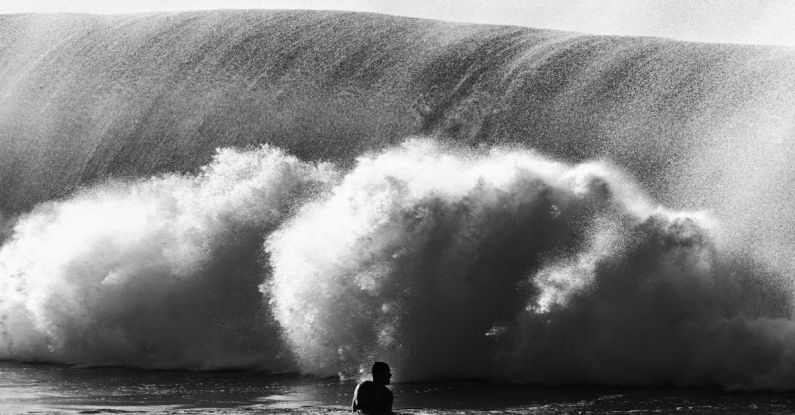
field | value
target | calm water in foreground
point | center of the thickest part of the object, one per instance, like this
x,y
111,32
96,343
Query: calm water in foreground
x,y
39,388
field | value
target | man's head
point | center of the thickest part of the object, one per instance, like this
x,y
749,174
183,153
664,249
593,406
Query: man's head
x,y
381,373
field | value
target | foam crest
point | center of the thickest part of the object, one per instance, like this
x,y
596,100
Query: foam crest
x,y
155,273
502,264
420,252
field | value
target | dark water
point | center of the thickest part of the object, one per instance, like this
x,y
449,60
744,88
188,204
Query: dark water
x,y
32,388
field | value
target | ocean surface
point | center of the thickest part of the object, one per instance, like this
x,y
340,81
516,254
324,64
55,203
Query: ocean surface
x,y
207,197
46,388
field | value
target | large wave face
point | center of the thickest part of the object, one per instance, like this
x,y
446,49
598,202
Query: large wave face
x,y
488,260
154,273
504,265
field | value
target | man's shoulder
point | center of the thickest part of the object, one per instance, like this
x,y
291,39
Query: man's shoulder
x,y
367,384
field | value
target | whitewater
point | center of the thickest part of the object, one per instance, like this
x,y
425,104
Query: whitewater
x,y
307,192
448,262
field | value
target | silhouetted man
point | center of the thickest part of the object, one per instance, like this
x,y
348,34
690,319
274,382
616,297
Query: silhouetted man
x,y
373,397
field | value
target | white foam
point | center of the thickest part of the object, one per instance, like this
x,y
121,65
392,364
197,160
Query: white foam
x,y
501,264
155,273
445,262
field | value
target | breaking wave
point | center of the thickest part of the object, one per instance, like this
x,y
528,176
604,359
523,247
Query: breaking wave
x,y
448,262
153,273
505,265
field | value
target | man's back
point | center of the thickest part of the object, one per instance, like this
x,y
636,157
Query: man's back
x,y
372,399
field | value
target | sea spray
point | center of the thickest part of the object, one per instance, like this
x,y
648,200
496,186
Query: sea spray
x,y
654,300
154,273
421,256
501,264
447,262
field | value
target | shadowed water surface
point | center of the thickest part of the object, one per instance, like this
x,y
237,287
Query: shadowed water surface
x,y
37,388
